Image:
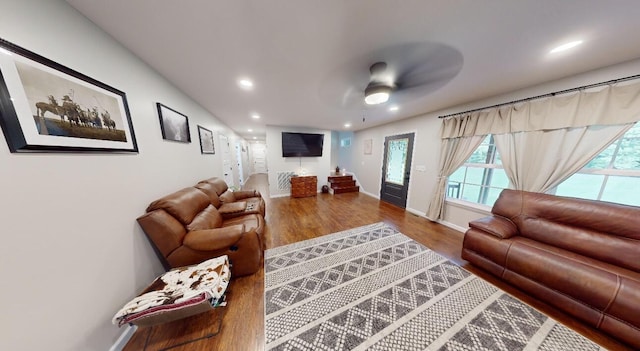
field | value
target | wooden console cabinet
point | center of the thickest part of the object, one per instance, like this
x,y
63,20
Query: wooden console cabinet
x,y
304,186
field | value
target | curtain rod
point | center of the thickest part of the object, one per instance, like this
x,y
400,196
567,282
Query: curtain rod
x,y
637,76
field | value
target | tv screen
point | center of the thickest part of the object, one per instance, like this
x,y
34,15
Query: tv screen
x,y
302,144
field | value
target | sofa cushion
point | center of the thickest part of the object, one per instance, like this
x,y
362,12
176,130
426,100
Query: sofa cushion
x,y
209,218
214,239
219,184
184,204
592,228
250,222
614,249
232,207
210,190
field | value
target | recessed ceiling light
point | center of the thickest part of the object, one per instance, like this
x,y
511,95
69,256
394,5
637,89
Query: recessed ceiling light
x,y
393,108
347,125
245,83
566,46
254,138
249,130
255,116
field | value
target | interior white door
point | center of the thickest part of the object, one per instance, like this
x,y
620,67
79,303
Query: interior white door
x,y
239,162
259,152
227,166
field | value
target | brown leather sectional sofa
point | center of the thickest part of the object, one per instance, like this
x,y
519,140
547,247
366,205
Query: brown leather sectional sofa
x,y
205,221
581,256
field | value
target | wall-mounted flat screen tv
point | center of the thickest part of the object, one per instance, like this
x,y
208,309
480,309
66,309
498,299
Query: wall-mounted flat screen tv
x,y
302,144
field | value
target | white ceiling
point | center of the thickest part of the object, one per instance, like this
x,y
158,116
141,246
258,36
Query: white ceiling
x,y
309,59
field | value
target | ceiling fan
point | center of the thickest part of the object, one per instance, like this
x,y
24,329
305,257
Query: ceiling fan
x,y
379,88
398,73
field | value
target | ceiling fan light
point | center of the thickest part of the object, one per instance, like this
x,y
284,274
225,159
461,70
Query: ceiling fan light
x,y
375,95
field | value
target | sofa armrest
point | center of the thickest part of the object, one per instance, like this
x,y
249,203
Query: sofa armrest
x,y
228,196
214,239
232,207
244,194
498,226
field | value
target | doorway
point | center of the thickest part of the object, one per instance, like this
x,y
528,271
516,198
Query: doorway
x,y
259,152
239,149
227,166
396,169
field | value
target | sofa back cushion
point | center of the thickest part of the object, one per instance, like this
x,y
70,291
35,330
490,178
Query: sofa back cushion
x,y
184,204
218,184
210,190
210,218
604,231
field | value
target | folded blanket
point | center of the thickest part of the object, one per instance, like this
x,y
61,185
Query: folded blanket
x,y
210,278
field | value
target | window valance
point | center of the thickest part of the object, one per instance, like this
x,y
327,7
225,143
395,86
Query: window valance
x,y
613,105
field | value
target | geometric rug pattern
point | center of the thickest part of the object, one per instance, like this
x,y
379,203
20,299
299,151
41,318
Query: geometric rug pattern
x,y
373,288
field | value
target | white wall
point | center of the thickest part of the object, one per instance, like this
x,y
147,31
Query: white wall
x,y
334,159
368,168
72,253
344,153
318,166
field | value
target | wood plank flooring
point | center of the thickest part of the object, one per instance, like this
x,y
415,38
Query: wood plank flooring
x,y
290,220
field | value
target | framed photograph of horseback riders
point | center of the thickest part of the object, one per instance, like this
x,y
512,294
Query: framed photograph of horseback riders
x,y
174,125
47,107
206,141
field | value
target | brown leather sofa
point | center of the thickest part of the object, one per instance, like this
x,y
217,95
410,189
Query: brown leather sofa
x,y
581,256
187,227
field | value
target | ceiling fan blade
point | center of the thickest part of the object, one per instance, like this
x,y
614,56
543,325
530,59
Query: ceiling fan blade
x,y
441,64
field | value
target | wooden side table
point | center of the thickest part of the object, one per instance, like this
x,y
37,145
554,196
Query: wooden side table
x,y
303,186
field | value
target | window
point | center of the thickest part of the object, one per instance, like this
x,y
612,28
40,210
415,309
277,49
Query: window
x,y
613,175
481,178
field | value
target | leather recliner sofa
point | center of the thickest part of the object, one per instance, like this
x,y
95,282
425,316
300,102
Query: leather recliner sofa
x,y
189,227
580,256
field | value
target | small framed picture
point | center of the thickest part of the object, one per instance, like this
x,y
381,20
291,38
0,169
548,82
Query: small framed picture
x,y
174,125
368,146
206,141
47,107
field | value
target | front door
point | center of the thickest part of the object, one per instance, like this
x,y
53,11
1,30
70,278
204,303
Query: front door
x,y
396,169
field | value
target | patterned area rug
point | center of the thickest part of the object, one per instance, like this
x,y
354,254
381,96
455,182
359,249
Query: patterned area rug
x,y
373,288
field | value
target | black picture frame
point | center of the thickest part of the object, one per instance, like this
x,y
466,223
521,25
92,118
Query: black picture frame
x,y
206,141
174,125
48,107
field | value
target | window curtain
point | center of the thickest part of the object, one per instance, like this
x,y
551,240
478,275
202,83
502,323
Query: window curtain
x,y
540,160
615,105
453,153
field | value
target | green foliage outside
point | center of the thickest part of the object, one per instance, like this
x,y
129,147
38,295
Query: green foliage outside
x,y
588,186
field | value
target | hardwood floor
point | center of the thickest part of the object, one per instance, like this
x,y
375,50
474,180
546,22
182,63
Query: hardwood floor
x,y
290,220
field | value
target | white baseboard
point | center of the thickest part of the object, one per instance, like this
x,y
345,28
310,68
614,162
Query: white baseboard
x,y
444,223
453,226
278,195
124,338
416,212
369,194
